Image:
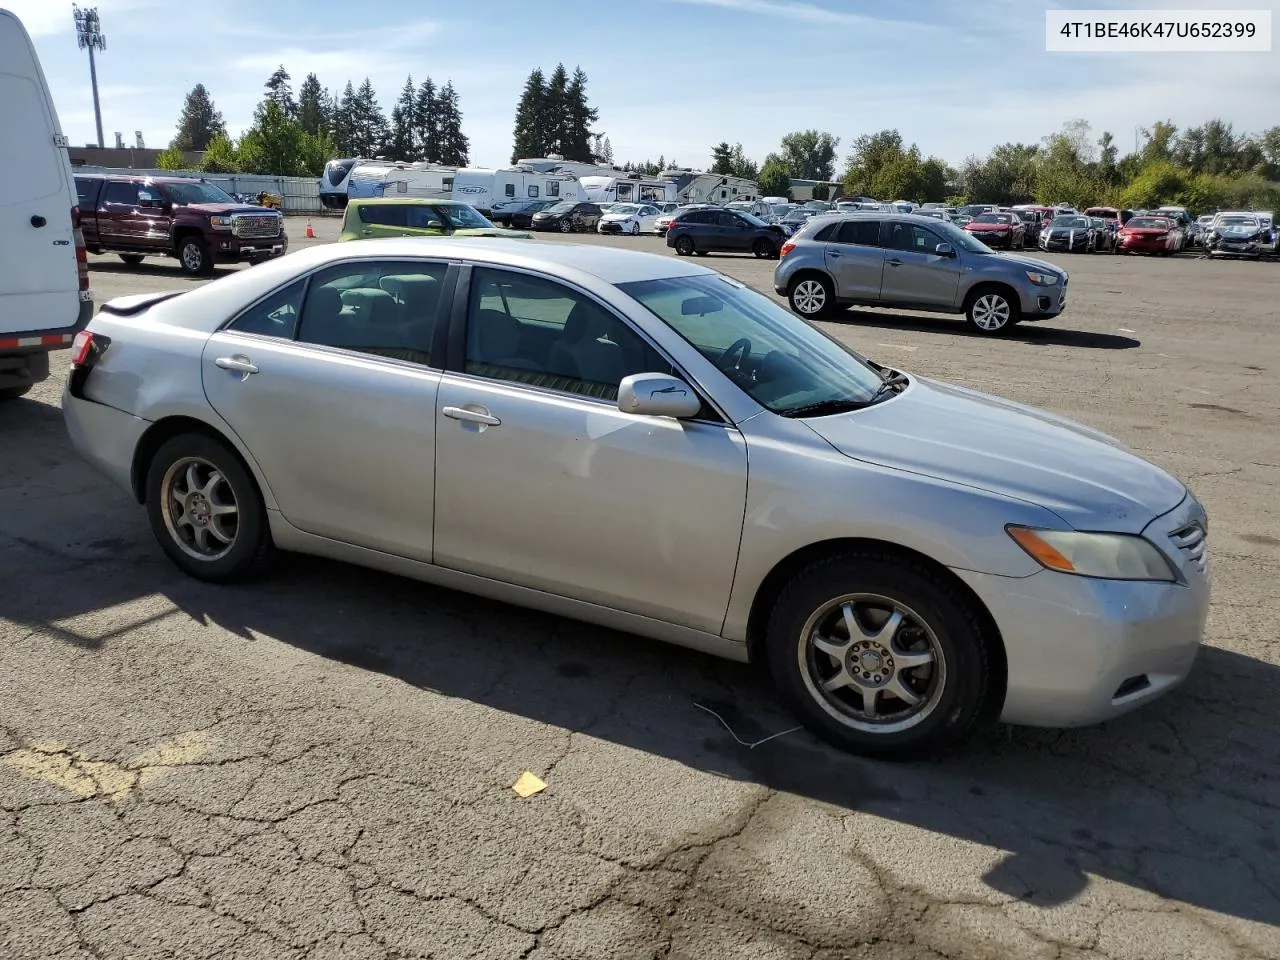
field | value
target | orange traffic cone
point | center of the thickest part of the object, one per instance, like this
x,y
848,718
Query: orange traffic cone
x,y
310,234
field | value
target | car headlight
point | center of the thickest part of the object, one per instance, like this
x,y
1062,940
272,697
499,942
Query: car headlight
x,y
1108,556
220,223
1042,279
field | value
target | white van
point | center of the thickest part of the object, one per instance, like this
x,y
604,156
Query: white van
x,y
44,266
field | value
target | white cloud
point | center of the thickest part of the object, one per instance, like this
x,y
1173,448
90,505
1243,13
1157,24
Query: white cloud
x,y
797,11
44,18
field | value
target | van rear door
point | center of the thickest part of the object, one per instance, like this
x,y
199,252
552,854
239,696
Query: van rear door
x,y
39,280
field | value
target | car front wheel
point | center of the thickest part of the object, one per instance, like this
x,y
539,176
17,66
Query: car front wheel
x,y
879,654
991,311
811,296
205,510
193,253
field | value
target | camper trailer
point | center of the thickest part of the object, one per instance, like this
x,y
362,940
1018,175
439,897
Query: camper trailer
x,y
336,178
488,190
693,186
629,188
426,180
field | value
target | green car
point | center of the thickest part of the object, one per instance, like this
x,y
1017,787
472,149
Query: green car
x,y
410,217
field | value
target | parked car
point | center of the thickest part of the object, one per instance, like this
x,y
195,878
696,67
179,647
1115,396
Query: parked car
x,y
973,210
519,212
664,222
1032,221
717,230
367,219
193,220
906,556
757,208
632,218
1267,219
1070,233
937,213
568,216
44,266
1237,235
999,230
914,263
1155,235
1103,235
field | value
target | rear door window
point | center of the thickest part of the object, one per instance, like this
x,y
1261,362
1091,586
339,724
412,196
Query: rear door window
x,y
125,192
862,233
87,192
383,214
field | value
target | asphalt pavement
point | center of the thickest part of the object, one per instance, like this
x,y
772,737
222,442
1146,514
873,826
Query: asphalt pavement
x,y
319,766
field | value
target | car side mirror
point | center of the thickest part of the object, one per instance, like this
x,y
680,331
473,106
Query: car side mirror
x,y
657,395
945,250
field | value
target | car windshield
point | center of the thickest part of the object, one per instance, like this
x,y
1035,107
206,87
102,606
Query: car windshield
x,y
751,218
626,208
463,216
989,218
1148,223
1074,223
564,206
194,192
1027,216
785,363
1237,222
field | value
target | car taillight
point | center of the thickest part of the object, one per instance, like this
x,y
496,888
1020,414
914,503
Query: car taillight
x,y
786,248
82,349
82,252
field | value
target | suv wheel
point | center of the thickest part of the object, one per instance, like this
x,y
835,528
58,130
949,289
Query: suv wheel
x,y
879,655
684,246
763,249
991,311
193,254
811,296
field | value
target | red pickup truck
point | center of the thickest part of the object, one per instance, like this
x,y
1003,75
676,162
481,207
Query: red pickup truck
x,y
193,220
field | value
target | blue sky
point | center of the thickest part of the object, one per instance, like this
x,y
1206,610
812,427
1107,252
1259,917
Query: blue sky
x,y
669,77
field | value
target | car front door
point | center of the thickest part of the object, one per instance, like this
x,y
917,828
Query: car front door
x,y
914,273
543,482
855,260
736,232
334,394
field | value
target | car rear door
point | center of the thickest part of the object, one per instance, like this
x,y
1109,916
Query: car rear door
x,y
121,221
382,220
39,286
913,272
855,259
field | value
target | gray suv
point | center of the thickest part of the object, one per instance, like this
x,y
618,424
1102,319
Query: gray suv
x,y
914,263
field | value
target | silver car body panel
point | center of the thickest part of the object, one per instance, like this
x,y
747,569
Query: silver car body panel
x,y
663,528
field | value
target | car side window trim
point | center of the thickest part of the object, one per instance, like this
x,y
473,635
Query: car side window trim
x,y
455,359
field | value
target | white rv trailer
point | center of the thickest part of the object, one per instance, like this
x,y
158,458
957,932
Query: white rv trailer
x,y
693,186
488,190
428,180
336,179
629,188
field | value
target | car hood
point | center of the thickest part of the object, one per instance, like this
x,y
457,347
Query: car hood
x,y
1032,263
620,216
1146,232
979,227
1084,476
226,209
545,215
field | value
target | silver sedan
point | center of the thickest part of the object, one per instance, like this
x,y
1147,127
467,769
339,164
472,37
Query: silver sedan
x,y
645,444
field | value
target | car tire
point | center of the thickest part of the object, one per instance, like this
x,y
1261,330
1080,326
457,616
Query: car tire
x,y
635,229
194,255
870,610
13,393
811,296
188,480
566,226
684,246
991,311
763,249
132,259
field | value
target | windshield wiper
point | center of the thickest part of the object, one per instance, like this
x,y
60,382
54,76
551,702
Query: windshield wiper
x,y
892,384
825,407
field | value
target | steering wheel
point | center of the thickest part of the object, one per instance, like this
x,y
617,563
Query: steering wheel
x,y
742,349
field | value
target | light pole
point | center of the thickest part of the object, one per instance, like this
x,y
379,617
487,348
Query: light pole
x,y
89,36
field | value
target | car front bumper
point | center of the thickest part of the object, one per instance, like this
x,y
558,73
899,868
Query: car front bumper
x,y
1040,303
1143,246
1081,651
1226,248
236,250
1065,244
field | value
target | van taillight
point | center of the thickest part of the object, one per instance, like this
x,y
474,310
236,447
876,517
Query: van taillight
x,y
82,252
786,248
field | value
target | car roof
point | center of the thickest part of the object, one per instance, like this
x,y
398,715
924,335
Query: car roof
x,y
392,201
610,264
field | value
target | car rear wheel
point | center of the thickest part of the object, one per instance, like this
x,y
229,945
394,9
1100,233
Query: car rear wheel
x,y
132,259
205,510
763,249
193,254
811,296
991,311
878,654
684,246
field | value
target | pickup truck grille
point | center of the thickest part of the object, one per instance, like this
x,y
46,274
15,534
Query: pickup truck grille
x,y
257,228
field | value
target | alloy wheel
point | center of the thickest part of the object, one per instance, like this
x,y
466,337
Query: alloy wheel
x,y
872,663
200,509
810,297
991,312
192,256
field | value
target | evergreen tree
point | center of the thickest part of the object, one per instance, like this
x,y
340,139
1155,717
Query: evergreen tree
x,y
273,145
579,118
313,106
555,118
722,158
404,145
343,122
200,121
455,148
603,149
368,122
530,133
426,122
279,91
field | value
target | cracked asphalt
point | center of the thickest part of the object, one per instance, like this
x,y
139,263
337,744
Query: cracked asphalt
x,y
319,766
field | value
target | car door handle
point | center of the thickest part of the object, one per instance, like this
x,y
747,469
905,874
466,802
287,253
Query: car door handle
x,y
38,221
471,416
895,262
239,364
832,253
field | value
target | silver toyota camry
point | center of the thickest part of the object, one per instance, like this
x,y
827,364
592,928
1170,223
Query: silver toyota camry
x,y
645,444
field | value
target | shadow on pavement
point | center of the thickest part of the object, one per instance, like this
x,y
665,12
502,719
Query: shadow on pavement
x,y
166,267
1034,334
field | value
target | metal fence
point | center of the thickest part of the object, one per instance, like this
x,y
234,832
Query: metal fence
x,y
301,194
